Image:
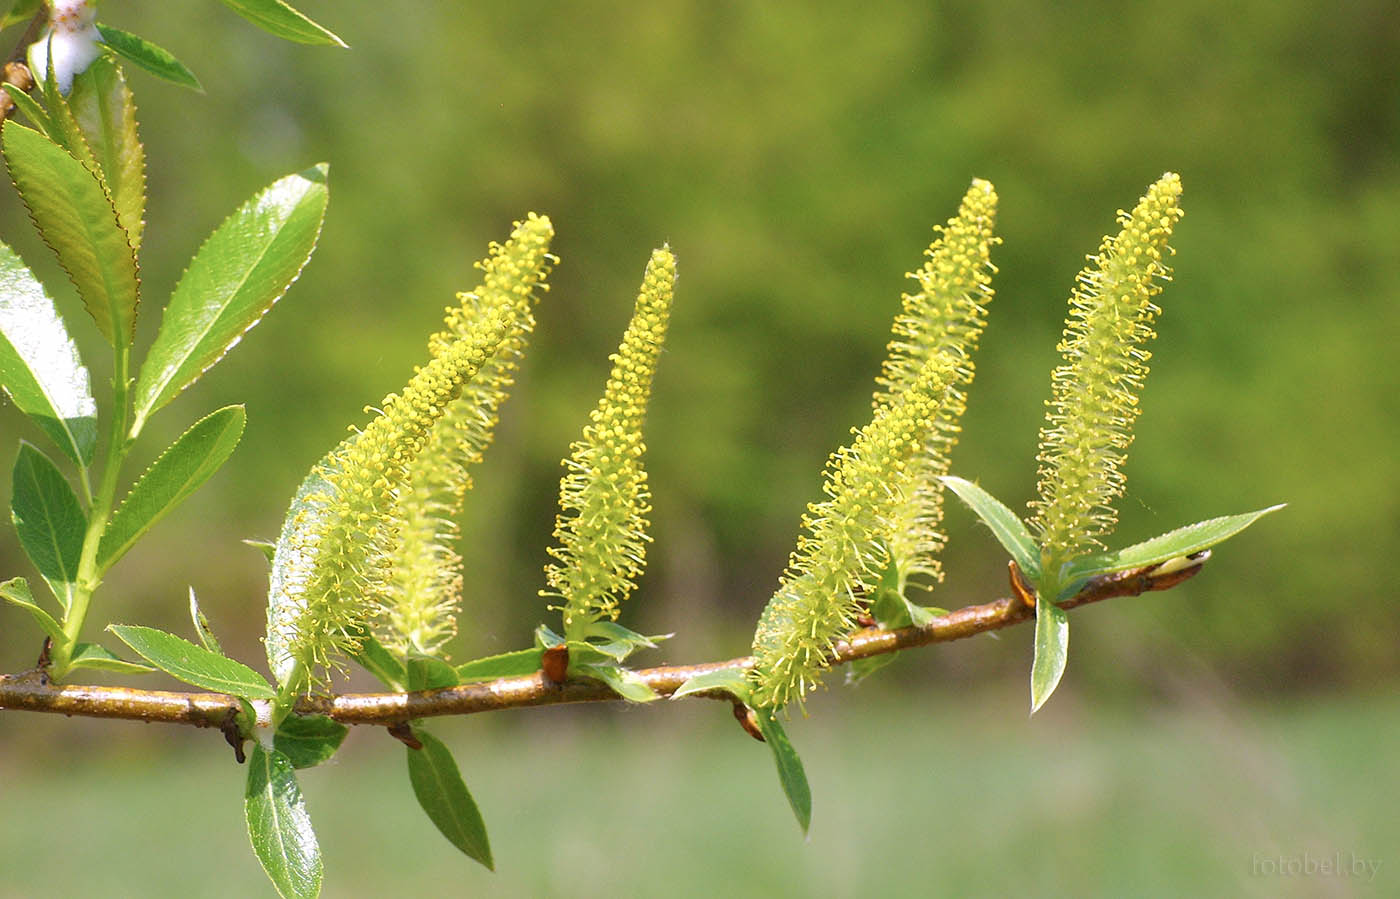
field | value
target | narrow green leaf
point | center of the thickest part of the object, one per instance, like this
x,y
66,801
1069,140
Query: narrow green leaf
x,y
429,673
279,826
159,61
106,115
383,664
16,590
192,664
63,127
278,18
624,682
546,638
49,520
1181,542
1011,532
733,681
266,547
39,364
444,797
241,270
94,655
309,740
790,771
521,663
1051,651
38,117
179,471
202,628
79,223
617,642
860,669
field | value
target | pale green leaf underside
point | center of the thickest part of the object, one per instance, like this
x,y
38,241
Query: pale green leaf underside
x,y
790,771
733,681
278,18
98,657
39,364
1181,542
624,682
154,59
192,664
244,267
79,223
279,826
1051,651
16,591
179,471
1011,532
445,799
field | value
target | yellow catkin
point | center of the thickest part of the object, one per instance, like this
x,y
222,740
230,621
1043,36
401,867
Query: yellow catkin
x,y
603,496
424,585
946,316
1094,399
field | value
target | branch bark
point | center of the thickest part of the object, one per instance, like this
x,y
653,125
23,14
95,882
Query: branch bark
x,y
32,691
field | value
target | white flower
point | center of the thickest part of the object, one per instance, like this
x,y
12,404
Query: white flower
x,y
72,42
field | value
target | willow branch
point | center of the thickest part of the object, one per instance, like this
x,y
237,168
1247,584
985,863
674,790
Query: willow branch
x,y
32,691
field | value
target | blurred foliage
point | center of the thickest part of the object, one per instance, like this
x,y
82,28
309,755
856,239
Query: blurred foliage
x,y
795,162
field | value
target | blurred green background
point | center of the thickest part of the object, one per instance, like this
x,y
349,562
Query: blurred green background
x,y
795,159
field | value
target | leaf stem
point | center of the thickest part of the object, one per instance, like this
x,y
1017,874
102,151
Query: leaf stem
x,y
99,512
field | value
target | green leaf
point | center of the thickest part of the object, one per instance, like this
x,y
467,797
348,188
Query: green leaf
x,y
1011,532
241,270
20,11
624,682
279,826
39,364
63,127
94,655
156,60
617,642
16,590
266,547
1051,650
860,669
521,663
1181,542
444,797
106,115
179,471
79,223
790,771
546,638
202,628
383,664
429,673
278,18
49,519
733,681
192,664
38,117
308,740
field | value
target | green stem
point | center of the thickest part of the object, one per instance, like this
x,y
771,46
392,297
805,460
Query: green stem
x,y
100,512
287,694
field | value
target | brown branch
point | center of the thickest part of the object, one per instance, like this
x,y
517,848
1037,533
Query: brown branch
x,y
32,691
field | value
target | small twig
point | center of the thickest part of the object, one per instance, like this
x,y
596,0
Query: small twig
x,y
16,71
29,692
